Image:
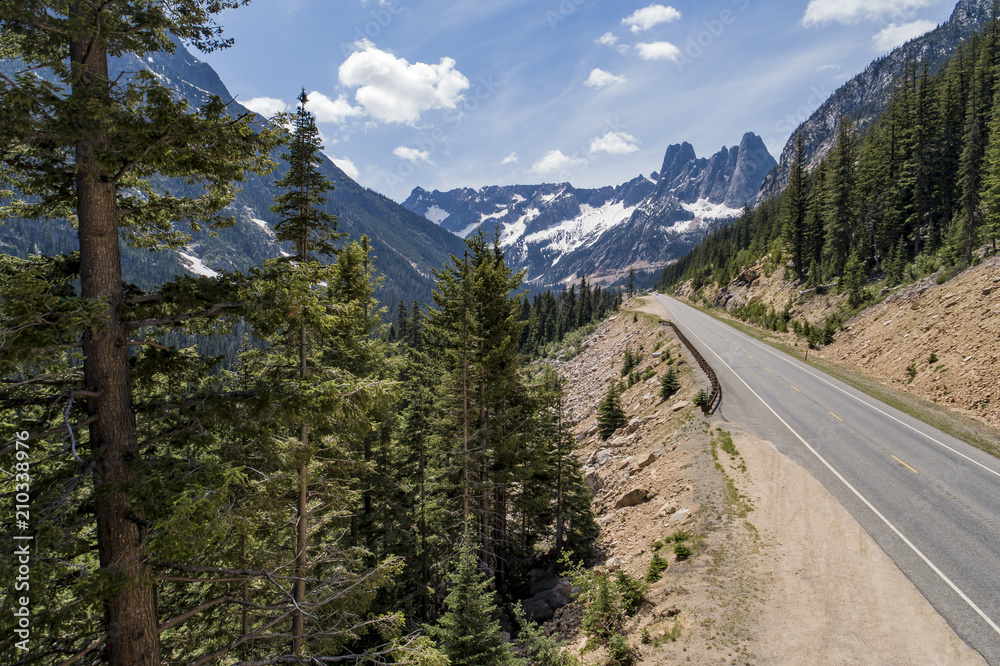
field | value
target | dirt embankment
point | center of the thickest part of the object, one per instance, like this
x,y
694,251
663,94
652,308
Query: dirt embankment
x,y
939,342
778,572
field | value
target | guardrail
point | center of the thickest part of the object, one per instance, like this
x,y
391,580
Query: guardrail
x,y
716,395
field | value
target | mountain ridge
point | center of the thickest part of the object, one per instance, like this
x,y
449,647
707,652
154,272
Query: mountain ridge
x,y
865,96
555,231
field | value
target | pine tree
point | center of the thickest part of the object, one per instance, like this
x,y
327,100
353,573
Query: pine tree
x,y
469,631
610,415
669,383
794,211
991,180
630,282
838,211
89,146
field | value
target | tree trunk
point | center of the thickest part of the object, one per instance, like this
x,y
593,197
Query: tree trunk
x,y
130,609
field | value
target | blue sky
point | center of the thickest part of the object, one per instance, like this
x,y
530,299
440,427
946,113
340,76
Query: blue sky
x,y
464,93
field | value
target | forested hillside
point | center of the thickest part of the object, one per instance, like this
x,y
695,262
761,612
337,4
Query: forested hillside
x,y
918,191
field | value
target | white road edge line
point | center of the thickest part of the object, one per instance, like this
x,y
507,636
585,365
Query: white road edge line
x,y
803,368
854,490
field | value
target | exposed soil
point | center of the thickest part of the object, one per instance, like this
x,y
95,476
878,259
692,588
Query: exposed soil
x,y
779,571
958,321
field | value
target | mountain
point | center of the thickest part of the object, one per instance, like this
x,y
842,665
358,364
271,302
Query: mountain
x,y
406,246
556,232
866,96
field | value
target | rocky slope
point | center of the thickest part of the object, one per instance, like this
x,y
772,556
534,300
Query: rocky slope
x,y
556,231
938,342
867,95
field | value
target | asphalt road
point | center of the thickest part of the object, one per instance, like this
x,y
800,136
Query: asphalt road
x,y
930,501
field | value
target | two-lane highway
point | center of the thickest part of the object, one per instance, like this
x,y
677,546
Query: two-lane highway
x,y
930,501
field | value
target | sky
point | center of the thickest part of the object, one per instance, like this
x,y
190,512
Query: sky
x,y
442,94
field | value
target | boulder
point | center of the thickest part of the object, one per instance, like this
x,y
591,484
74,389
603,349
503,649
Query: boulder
x,y
642,462
668,509
680,516
678,406
594,482
634,497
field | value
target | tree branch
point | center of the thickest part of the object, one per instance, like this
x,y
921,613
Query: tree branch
x,y
213,311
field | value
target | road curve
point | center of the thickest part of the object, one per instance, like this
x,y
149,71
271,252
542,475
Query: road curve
x,y
930,501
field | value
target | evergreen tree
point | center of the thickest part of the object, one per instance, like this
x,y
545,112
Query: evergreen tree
x,y
89,146
630,282
610,415
669,383
839,216
469,631
991,181
794,211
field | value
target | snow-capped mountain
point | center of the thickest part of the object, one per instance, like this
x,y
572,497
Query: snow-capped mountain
x,y
556,231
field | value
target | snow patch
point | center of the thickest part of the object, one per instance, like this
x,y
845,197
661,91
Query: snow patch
x,y
706,210
513,232
436,215
263,225
195,265
464,233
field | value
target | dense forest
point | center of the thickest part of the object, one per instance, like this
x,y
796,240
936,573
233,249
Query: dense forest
x,y
334,490
919,191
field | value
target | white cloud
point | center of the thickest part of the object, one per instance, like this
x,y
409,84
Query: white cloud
x,y
393,91
658,51
329,110
554,160
896,35
510,159
265,106
600,79
819,12
347,166
648,17
412,155
607,39
614,143
828,68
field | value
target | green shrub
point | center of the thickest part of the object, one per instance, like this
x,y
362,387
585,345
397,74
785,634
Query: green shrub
x,y
911,370
631,590
678,536
656,568
682,551
619,651
932,359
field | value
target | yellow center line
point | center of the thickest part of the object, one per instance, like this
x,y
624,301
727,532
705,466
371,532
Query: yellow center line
x,y
769,370
905,465
793,386
835,416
